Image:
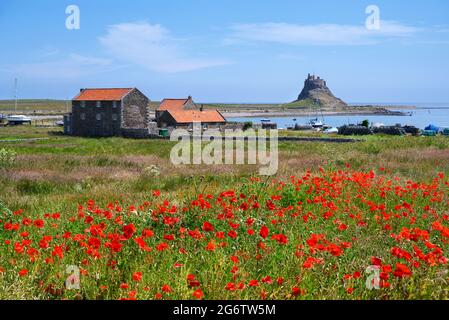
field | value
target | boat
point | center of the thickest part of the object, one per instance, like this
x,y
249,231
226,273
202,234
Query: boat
x,y
18,119
316,123
377,125
265,120
432,127
331,130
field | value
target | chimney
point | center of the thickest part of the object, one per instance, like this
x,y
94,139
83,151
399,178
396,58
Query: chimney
x,y
81,90
202,107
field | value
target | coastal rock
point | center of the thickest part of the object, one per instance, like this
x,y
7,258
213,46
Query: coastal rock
x,y
317,93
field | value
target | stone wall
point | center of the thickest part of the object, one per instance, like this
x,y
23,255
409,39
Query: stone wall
x,y
190,105
93,121
135,112
68,124
135,133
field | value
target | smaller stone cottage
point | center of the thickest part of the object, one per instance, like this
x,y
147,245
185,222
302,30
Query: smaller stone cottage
x,y
108,112
179,113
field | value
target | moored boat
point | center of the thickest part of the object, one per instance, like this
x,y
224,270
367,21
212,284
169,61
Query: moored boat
x,y
316,123
18,119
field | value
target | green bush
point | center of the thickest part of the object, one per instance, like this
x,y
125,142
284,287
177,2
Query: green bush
x,y
247,125
7,157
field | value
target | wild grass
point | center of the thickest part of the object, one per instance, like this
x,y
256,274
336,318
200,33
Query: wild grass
x,y
69,167
59,173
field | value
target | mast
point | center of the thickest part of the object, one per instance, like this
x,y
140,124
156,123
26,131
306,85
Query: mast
x,y
15,95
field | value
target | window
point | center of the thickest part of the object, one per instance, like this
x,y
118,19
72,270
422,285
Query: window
x,y
83,116
83,104
114,117
98,104
98,116
114,104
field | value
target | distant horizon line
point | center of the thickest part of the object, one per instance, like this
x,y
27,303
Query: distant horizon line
x,y
402,103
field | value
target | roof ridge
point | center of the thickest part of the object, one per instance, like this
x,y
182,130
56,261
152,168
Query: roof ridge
x,y
118,88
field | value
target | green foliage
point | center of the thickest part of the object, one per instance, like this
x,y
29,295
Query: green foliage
x,y
7,157
30,187
4,209
247,125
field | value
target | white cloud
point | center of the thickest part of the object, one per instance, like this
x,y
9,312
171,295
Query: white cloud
x,y
320,34
73,66
152,47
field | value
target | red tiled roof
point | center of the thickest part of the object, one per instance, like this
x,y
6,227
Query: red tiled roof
x,y
109,94
172,104
189,116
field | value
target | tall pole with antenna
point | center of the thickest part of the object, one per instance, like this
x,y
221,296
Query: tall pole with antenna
x,y
15,95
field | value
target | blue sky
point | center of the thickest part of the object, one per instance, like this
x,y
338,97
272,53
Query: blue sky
x,y
227,51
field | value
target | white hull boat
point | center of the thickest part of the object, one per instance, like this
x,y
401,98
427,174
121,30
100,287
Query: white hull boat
x,y
18,119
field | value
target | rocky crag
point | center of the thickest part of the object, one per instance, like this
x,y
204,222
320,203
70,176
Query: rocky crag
x,y
316,93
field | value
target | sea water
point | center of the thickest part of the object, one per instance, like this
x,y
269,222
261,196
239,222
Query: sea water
x,y
421,116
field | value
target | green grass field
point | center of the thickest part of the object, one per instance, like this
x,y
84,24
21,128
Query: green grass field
x,y
61,166
59,173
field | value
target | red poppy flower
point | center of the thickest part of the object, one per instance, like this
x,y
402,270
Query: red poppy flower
x,y
23,272
376,261
402,271
207,226
137,276
198,294
264,232
280,238
166,288
39,223
267,280
156,193
124,286
253,283
232,234
147,233
161,246
169,237
297,291
211,246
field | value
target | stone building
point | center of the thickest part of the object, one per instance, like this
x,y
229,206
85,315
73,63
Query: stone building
x,y
182,113
108,112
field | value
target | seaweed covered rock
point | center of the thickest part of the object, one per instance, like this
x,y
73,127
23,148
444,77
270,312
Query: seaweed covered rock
x,y
390,130
412,130
349,130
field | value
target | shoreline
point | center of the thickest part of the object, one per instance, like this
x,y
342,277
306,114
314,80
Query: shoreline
x,y
301,113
